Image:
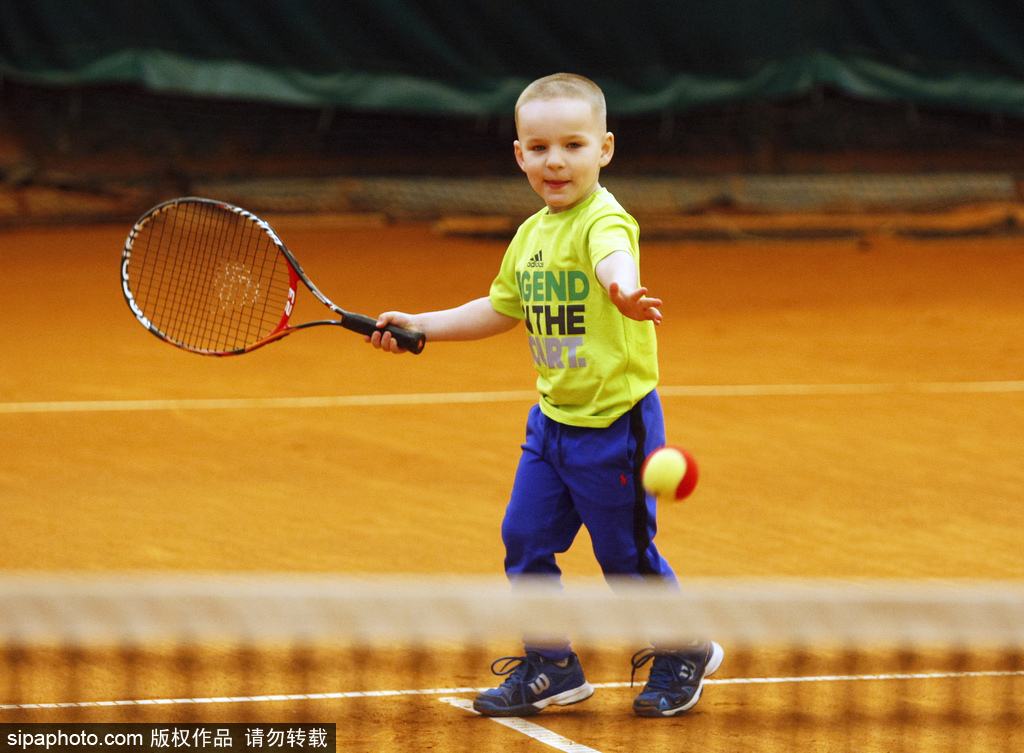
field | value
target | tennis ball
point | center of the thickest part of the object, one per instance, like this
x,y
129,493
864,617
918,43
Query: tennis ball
x,y
669,472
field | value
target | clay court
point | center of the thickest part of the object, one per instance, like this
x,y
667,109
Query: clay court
x,y
856,407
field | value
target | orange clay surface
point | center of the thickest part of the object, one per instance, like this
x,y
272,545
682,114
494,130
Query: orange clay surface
x,y
855,408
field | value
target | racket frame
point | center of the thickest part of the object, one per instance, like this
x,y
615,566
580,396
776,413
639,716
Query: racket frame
x,y
364,325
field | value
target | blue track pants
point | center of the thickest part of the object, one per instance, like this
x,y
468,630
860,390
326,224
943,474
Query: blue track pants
x,y
569,477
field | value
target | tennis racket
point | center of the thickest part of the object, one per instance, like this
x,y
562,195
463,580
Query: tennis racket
x,y
215,279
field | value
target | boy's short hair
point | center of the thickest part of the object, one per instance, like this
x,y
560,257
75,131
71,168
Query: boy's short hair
x,y
565,86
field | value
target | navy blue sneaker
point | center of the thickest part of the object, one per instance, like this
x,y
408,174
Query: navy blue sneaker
x,y
533,684
676,679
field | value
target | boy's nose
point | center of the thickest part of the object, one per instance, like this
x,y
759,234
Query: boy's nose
x,y
555,157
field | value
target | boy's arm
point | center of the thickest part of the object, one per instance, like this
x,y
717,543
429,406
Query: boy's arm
x,y
471,321
618,274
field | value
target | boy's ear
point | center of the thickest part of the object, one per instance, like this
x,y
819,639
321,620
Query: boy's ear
x,y
607,148
519,155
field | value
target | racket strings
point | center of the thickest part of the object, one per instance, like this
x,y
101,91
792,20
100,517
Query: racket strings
x,y
209,278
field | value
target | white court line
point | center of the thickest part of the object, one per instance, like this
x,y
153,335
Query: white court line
x,y
840,678
529,729
870,388
250,403
448,691
453,398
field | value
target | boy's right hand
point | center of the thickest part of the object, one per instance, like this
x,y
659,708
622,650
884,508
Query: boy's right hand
x,y
384,340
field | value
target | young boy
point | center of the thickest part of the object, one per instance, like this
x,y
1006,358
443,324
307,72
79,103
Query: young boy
x,y
572,274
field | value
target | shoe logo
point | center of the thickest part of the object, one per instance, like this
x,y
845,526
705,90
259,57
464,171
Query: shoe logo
x,y
688,670
537,260
539,685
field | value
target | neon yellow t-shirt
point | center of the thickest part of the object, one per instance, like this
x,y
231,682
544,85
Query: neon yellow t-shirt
x,y
593,364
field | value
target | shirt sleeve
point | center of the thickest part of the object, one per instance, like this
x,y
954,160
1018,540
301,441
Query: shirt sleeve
x,y
504,293
611,233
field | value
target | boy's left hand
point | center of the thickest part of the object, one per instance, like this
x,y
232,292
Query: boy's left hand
x,y
634,303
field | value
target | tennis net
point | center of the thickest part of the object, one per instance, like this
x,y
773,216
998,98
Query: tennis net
x,y
393,664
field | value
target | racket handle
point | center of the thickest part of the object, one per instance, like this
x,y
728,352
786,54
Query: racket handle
x,y
364,325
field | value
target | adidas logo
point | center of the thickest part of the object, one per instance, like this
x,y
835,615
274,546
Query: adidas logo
x,y
537,260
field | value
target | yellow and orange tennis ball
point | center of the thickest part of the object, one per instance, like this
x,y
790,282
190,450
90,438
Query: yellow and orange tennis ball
x,y
670,473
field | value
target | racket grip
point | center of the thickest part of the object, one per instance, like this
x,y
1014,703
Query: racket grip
x,y
408,339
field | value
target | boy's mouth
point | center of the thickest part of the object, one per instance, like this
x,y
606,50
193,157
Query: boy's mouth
x,y
556,184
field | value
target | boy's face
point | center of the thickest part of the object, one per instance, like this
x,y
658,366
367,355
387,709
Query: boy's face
x,y
562,147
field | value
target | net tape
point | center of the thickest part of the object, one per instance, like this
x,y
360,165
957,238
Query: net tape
x,y
97,609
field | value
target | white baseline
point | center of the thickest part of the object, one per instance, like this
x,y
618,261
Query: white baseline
x,y
454,398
